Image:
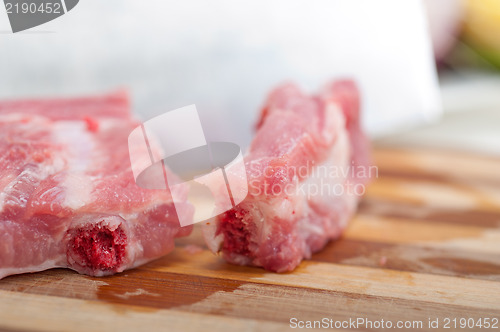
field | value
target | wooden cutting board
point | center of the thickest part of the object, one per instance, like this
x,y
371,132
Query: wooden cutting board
x,y
425,244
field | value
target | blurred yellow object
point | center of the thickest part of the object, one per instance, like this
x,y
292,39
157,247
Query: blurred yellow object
x,y
482,28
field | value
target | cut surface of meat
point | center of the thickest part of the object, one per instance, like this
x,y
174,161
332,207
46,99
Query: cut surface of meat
x,y
306,168
67,193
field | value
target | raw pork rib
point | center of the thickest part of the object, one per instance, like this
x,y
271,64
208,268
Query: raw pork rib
x,y
67,193
306,168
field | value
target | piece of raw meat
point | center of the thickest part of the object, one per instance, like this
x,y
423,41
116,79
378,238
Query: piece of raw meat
x,y
67,194
306,169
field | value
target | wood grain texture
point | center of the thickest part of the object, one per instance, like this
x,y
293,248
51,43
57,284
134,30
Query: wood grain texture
x,y
424,244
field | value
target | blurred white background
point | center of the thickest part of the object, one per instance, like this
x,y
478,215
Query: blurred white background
x,y
225,56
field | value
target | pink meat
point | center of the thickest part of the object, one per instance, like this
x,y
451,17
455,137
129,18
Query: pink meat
x,y
306,168
112,105
67,194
